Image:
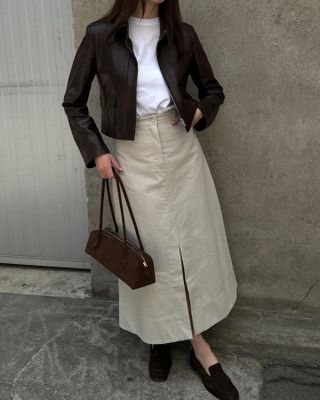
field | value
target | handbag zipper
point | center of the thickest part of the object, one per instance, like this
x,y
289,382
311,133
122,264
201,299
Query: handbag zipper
x,y
129,244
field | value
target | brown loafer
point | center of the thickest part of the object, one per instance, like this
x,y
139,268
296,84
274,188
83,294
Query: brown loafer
x,y
217,383
160,362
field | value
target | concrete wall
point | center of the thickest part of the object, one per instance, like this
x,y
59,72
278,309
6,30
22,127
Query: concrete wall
x,y
263,149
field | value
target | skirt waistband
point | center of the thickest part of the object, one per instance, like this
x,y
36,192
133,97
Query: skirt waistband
x,y
152,119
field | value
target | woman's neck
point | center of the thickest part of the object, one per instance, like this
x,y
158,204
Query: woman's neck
x,y
151,11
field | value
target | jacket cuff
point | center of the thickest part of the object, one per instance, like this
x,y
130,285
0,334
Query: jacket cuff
x,y
209,112
89,157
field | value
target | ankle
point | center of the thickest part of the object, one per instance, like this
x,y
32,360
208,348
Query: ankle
x,y
201,348
199,342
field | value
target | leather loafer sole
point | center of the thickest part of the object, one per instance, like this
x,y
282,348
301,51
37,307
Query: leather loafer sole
x,y
211,382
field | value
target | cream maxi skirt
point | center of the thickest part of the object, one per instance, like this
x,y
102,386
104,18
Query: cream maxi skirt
x,y
175,204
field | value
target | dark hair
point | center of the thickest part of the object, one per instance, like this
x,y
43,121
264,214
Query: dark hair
x,y
169,14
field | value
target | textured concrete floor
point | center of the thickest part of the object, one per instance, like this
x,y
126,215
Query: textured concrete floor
x,y
57,282
65,348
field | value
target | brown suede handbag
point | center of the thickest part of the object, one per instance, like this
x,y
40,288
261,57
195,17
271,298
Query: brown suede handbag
x,y
123,258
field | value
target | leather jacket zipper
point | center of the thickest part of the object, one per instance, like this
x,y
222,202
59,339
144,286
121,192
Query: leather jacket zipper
x,y
129,47
167,81
138,251
128,40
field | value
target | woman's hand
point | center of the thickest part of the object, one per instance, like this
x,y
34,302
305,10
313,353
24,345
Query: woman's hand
x,y
197,116
176,120
104,164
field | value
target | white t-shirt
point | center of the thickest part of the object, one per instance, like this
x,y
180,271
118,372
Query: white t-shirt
x,y
153,95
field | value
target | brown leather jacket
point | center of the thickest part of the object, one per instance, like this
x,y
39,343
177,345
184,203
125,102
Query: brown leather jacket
x,y
114,63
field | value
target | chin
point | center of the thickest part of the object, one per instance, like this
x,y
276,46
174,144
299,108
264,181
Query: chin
x,y
157,1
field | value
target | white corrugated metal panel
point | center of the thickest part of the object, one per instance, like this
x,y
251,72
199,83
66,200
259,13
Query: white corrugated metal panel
x,y
43,217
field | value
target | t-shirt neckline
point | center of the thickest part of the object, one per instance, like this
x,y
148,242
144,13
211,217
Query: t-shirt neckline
x,y
144,21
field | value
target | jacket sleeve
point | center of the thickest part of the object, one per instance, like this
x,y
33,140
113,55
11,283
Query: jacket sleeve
x,y
83,127
210,92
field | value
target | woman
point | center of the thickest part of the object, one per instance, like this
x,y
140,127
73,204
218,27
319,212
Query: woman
x,y
142,53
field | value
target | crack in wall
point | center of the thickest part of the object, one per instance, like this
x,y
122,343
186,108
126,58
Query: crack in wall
x,y
295,307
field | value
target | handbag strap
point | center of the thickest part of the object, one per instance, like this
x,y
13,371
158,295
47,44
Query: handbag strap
x,y
119,185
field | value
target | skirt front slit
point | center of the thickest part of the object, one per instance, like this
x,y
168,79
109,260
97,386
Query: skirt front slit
x,y
187,293
177,211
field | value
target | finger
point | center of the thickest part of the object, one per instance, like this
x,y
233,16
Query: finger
x,y
106,171
116,164
103,173
109,172
175,120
